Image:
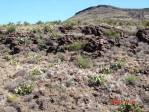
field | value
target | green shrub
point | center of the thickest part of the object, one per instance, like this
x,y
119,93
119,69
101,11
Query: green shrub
x,y
106,71
36,58
51,30
71,23
112,34
76,46
11,29
146,24
130,79
117,65
13,61
24,89
129,108
97,80
35,72
83,62
51,65
41,43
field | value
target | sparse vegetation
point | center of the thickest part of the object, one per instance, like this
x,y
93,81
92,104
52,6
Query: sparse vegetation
x,y
51,65
83,62
35,72
129,108
146,24
11,28
97,80
112,34
34,58
13,60
117,65
50,29
71,23
106,71
130,79
75,65
24,89
76,46
41,43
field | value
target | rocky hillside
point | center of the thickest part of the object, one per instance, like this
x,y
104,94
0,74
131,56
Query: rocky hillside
x,y
113,16
105,11
80,68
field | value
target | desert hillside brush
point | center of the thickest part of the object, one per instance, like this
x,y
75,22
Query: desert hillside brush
x,y
129,108
97,80
130,79
76,46
83,62
11,28
24,89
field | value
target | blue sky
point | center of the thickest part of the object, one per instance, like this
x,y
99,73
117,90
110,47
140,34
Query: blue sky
x,y
49,10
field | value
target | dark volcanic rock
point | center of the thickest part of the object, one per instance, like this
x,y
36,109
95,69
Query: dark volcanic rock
x,y
62,29
91,46
15,50
52,46
88,30
143,35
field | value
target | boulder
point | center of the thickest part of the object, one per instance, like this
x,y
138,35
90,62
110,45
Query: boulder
x,y
91,47
92,30
143,35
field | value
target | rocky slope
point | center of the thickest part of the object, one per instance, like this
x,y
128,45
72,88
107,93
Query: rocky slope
x,y
105,11
81,69
128,19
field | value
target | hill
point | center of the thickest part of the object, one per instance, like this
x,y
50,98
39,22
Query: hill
x,y
105,11
114,16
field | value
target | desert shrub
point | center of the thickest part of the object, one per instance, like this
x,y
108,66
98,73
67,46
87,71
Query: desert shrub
x,y
129,108
11,28
51,30
35,58
112,34
41,43
83,62
48,28
25,40
35,72
106,71
146,24
117,65
36,30
130,79
71,23
76,46
51,65
24,89
97,80
13,61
